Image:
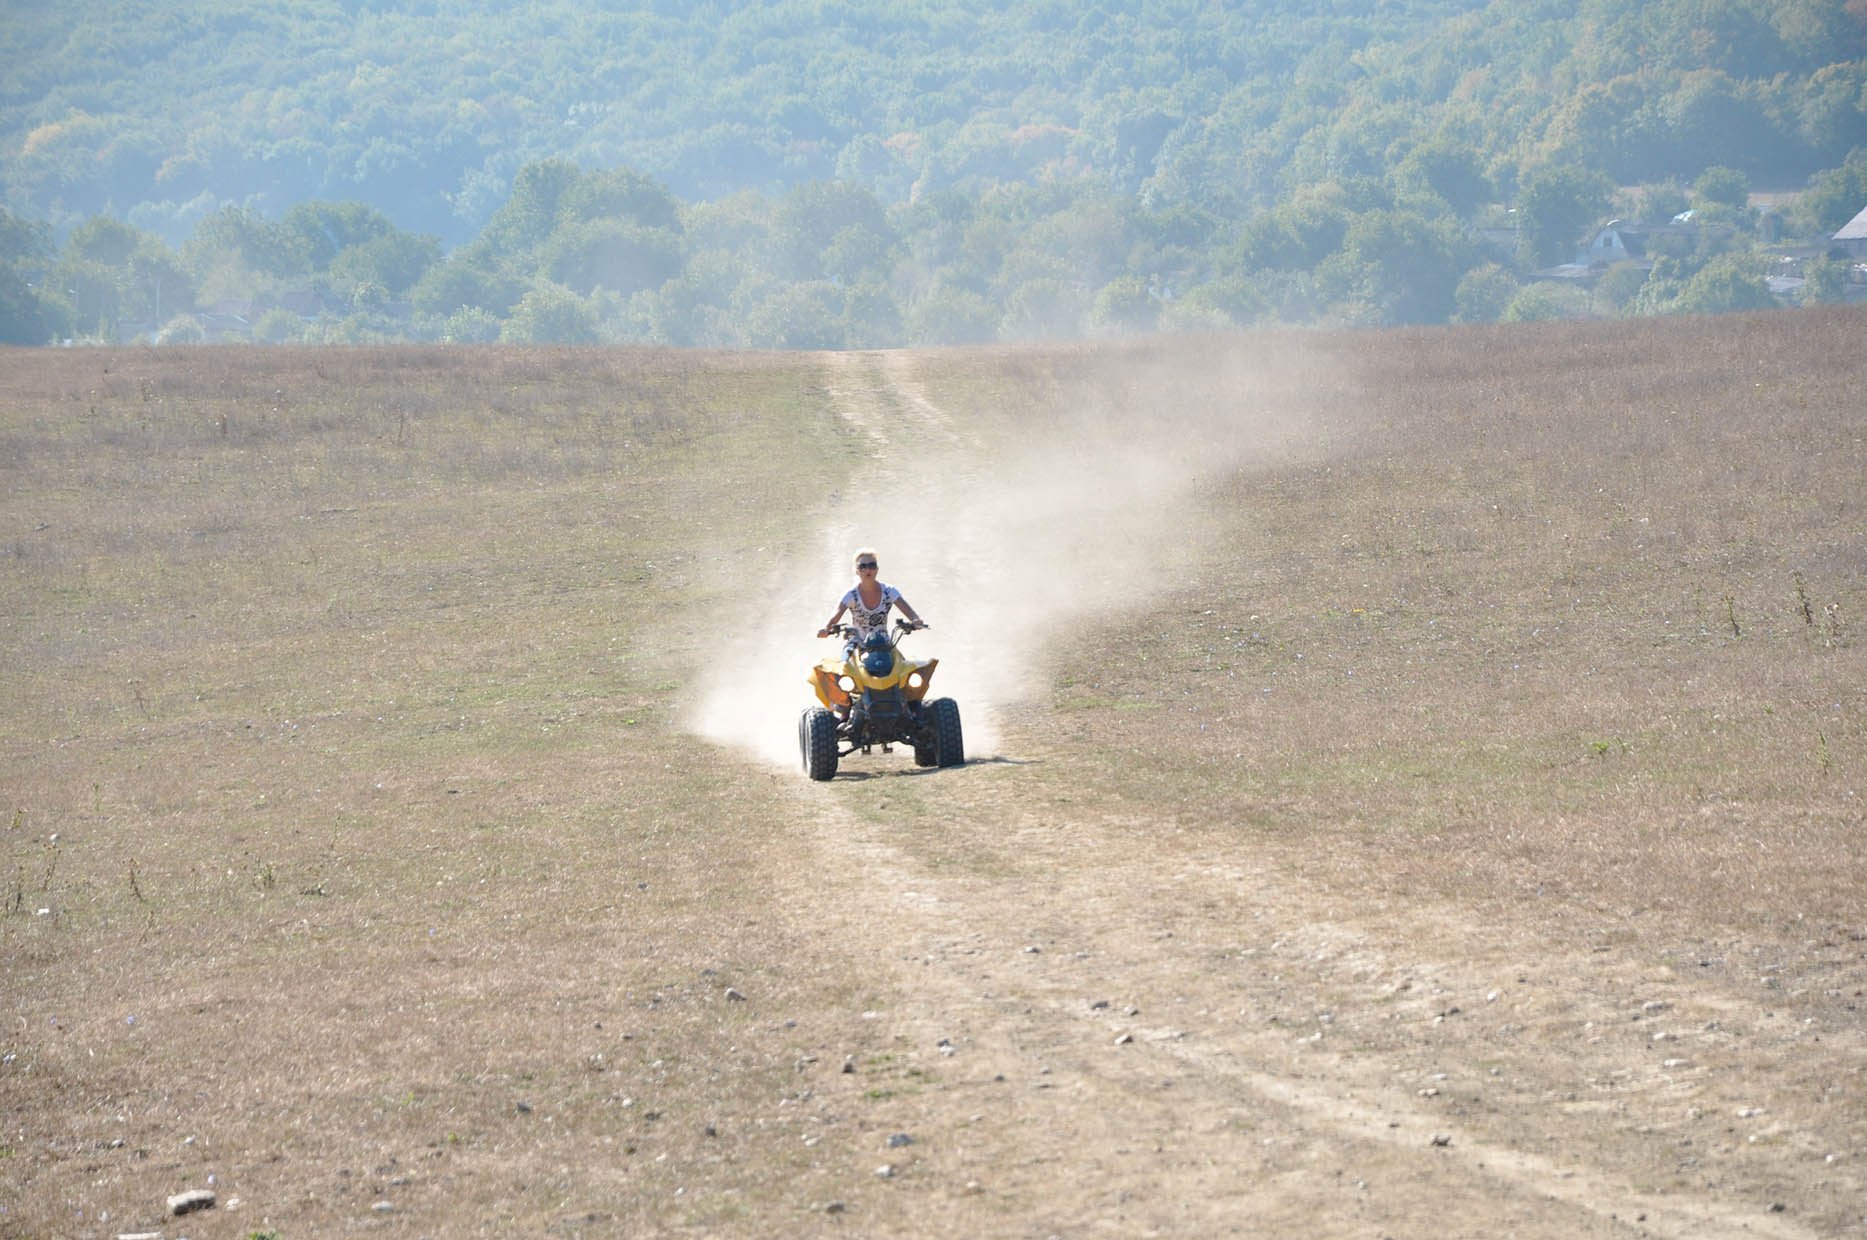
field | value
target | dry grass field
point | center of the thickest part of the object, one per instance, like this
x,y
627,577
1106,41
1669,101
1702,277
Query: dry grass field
x,y
1416,790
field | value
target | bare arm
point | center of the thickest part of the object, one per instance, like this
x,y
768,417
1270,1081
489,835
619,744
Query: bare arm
x,y
831,623
911,613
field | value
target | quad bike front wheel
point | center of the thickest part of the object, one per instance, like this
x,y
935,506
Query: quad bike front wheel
x,y
816,740
949,747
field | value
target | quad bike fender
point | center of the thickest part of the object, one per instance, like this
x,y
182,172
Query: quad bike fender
x,y
823,679
916,692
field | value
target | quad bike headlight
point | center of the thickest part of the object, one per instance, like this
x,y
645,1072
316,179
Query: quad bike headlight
x,y
846,683
916,680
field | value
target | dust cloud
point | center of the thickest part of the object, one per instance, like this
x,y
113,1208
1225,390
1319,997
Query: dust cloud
x,y
1003,547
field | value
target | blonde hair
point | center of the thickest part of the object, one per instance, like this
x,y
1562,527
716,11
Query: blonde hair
x,y
860,553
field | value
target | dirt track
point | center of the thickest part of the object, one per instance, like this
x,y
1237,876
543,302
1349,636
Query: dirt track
x,y
1158,1036
1141,1028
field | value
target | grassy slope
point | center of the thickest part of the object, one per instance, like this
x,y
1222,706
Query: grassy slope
x,y
351,682
346,683
1545,596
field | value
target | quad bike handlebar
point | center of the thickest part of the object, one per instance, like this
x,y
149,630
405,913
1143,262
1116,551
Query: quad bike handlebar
x,y
849,630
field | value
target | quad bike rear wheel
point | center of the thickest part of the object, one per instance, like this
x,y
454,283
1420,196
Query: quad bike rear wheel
x,y
949,743
816,739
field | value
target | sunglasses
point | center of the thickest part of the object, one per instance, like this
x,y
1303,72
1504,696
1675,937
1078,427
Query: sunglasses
x,y
866,564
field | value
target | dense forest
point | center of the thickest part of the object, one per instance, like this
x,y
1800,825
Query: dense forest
x,y
826,173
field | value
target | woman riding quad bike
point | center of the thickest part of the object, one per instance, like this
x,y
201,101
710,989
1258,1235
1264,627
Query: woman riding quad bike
x,y
875,695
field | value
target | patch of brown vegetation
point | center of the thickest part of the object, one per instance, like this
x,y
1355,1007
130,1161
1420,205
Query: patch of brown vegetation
x,y
1459,835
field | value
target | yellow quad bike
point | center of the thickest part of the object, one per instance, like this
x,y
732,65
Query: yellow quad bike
x,y
877,696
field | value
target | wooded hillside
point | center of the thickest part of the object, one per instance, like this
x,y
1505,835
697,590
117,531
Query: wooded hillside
x,y
1233,149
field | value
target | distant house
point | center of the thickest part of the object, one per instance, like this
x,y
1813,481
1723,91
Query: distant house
x,y
1614,242
1852,239
1617,241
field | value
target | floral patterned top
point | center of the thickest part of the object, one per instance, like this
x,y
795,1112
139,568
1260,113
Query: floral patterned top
x,y
865,619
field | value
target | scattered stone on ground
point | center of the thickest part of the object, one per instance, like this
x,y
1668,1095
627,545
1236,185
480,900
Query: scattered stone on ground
x,y
192,1200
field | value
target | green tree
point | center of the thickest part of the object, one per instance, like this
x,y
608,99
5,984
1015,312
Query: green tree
x,y
1724,186
278,326
551,314
1835,196
1537,303
393,260
105,241
1401,266
814,219
1618,286
27,315
1483,293
1726,283
1824,282
1556,206
856,254
951,315
693,309
1591,127
156,285
1831,109
1709,114
1659,203
1239,299
470,325
1448,170
531,212
1303,230
117,275
1665,281
872,319
233,247
612,253
1044,308
1124,304
620,194
1198,311
94,294
351,329
25,244
321,231
25,318
182,329
802,315
468,279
